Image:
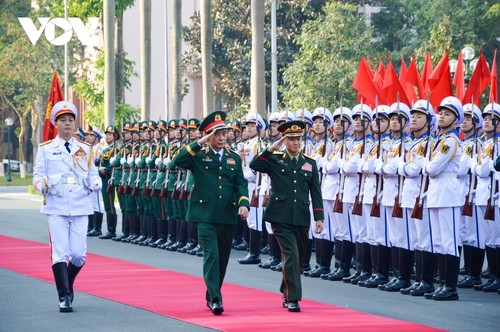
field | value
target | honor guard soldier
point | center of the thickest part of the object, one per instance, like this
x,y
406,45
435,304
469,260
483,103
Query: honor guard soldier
x,y
107,173
255,125
472,225
130,184
487,170
79,135
353,189
375,215
306,116
415,235
93,137
66,175
399,118
323,145
295,181
442,199
336,224
219,196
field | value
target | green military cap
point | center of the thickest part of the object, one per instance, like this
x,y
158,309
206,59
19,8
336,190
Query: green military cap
x,y
183,123
193,123
152,125
162,125
143,125
126,126
236,125
114,131
135,126
80,132
213,121
172,124
292,128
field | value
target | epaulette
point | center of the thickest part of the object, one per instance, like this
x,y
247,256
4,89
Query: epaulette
x,y
46,142
228,149
88,144
278,152
305,155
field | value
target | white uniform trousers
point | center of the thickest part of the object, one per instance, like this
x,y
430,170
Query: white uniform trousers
x,y
359,229
329,229
406,231
472,231
492,237
423,239
254,219
391,226
445,223
68,238
380,232
344,222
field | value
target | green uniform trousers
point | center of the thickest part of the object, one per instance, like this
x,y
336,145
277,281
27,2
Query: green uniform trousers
x,y
216,242
292,240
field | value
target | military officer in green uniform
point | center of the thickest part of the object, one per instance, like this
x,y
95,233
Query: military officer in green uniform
x,y
219,196
133,210
107,173
295,180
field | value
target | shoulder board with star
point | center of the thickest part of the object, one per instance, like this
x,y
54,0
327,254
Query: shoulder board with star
x,y
85,143
278,152
309,157
228,149
46,142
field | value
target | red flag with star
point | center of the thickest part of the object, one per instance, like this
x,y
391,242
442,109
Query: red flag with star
x,y
49,130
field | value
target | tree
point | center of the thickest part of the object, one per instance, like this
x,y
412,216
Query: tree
x,y
325,66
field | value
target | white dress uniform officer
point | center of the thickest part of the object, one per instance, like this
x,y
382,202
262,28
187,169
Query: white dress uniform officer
x,y
67,177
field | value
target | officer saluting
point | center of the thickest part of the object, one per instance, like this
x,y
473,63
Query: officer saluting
x,y
66,175
219,195
293,178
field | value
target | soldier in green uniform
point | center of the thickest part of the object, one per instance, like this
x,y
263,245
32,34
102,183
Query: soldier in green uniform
x,y
107,173
158,202
294,178
133,211
219,196
120,179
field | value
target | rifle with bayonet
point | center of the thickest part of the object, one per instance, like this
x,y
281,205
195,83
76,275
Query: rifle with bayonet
x,y
375,210
338,207
489,212
397,211
110,187
357,208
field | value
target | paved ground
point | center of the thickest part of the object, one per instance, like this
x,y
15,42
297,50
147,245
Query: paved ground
x,y
28,304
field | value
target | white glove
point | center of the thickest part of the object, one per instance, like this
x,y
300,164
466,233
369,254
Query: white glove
x,y
96,184
148,159
130,160
112,160
401,167
369,166
137,160
157,161
424,170
472,164
321,162
122,161
166,161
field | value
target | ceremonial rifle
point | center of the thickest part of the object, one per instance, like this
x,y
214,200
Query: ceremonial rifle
x,y
375,210
254,202
357,208
110,188
338,207
489,212
469,198
397,212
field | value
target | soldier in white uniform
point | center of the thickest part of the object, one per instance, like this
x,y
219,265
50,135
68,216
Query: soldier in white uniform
x,y
471,229
442,199
253,146
93,137
486,188
67,177
353,186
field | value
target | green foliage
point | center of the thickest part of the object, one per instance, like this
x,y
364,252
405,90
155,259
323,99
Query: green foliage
x,y
233,42
87,8
326,64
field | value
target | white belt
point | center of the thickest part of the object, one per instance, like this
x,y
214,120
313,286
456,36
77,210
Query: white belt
x,y
445,176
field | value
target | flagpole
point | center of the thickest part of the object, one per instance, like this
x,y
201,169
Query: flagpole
x,y
274,61
66,71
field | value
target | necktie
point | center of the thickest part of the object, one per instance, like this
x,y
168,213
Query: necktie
x,y
294,161
67,147
220,156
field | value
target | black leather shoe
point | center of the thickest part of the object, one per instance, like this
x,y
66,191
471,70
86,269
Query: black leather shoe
x,y
270,263
176,246
293,306
493,287
382,287
277,268
94,232
199,253
147,241
316,273
430,295
377,281
305,270
250,259
193,251
397,286
407,290
139,239
362,277
348,279
265,250
285,302
469,282
217,308
157,243
362,283
65,304
339,275
189,246
484,284
242,246
446,294
235,243
422,289
119,238
108,236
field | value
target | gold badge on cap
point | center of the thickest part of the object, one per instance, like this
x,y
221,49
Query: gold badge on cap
x,y
217,117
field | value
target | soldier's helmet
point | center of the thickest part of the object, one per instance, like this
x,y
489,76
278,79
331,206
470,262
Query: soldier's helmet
x,y
113,130
362,110
345,112
62,107
422,106
401,109
324,113
257,119
381,110
475,113
286,116
304,115
453,104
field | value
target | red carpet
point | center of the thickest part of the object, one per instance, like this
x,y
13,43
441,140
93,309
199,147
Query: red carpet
x,y
181,296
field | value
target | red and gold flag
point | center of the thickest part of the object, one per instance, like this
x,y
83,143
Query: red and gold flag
x,y
49,131
493,97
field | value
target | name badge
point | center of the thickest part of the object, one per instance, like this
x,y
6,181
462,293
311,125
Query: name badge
x,y
56,153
